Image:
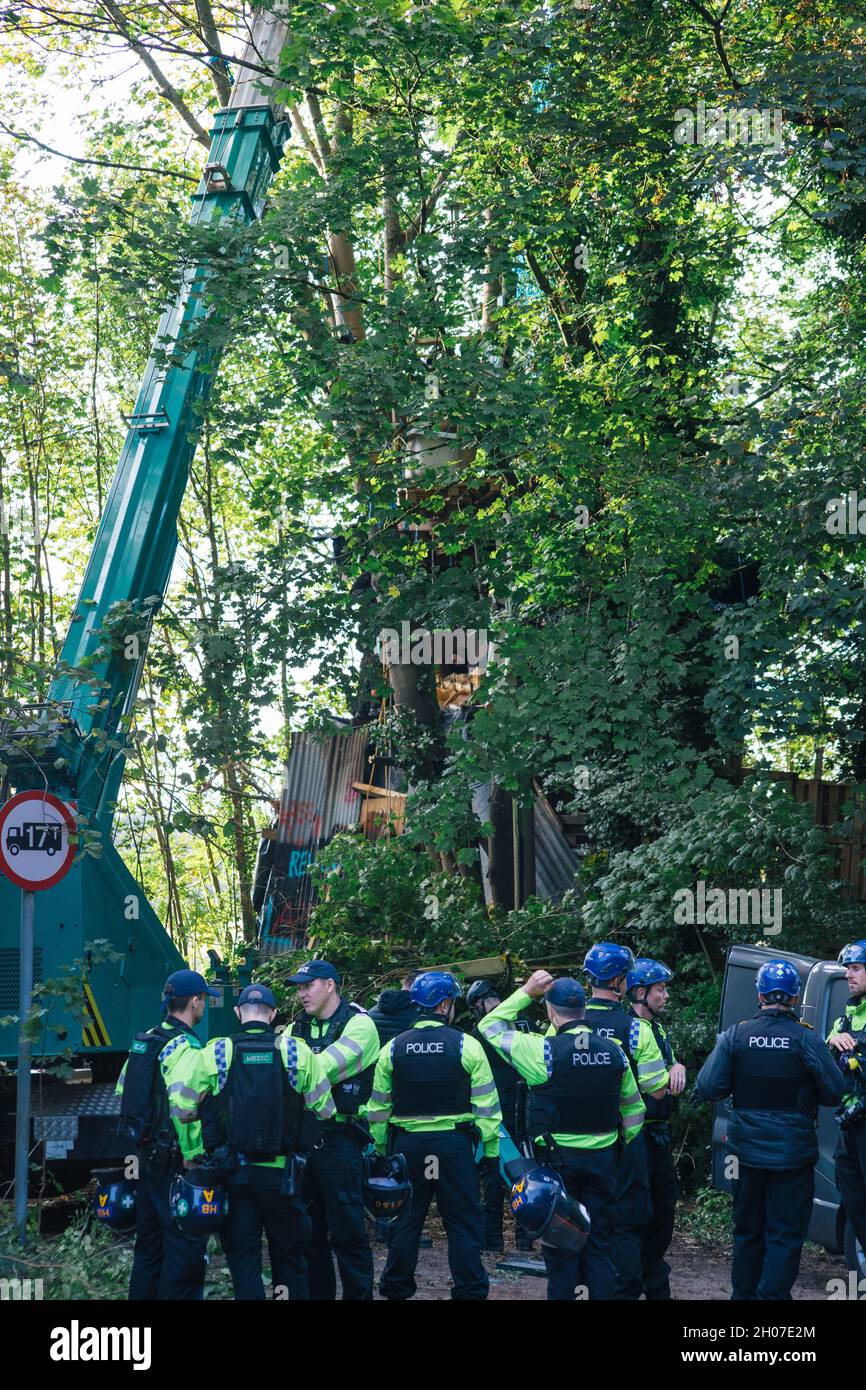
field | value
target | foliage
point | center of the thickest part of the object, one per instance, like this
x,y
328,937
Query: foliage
x,y
647,437
706,1219
87,1262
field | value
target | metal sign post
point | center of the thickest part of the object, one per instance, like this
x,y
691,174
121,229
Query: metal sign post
x,y
36,851
22,1106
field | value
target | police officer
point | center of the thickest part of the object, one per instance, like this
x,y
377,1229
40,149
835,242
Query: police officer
x,y
647,987
269,1091
433,1095
481,997
345,1038
160,1087
846,1038
394,1012
607,965
777,1073
581,1090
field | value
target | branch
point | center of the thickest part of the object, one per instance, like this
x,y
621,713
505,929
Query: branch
x,y
168,91
319,126
106,163
211,38
571,336
715,23
298,120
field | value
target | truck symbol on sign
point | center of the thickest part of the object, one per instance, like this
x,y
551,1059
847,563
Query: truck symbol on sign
x,y
34,834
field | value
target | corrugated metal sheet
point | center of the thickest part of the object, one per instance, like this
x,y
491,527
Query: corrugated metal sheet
x,y
317,801
555,861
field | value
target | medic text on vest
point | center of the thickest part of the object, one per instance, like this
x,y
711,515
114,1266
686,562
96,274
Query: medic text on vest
x,y
768,1042
590,1059
425,1047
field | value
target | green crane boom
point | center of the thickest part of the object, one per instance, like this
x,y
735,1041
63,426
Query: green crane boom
x,y
74,743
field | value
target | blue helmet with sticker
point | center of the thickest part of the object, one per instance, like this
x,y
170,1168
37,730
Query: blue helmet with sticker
x,y
199,1204
114,1199
607,960
387,1185
432,987
778,977
853,954
544,1210
646,972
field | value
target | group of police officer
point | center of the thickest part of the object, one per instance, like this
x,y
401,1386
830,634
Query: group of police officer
x,y
286,1135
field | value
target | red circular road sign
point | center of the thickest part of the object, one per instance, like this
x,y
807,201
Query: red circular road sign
x,y
35,849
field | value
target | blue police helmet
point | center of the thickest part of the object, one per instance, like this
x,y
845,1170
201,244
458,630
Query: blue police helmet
x,y
646,972
432,987
606,961
853,954
545,1211
778,976
199,1204
113,1202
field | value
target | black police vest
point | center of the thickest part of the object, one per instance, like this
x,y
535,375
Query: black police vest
x,y
144,1113
608,1019
261,1114
583,1093
428,1075
769,1070
349,1095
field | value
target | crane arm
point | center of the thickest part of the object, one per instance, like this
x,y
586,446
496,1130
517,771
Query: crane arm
x,y
80,731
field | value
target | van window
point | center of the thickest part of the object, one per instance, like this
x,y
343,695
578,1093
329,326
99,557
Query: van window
x,y
739,1000
838,995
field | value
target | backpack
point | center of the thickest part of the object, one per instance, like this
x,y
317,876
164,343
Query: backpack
x,y
144,1114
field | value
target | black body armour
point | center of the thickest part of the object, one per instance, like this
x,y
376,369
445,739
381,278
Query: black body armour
x,y
260,1114
769,1071
144,1115
608,1019
349,1095
583,1093
428,1075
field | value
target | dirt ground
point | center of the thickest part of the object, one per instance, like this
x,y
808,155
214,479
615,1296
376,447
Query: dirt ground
x,y
698,1273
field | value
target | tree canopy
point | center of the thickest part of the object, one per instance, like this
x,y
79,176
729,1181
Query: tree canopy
x,y
613,257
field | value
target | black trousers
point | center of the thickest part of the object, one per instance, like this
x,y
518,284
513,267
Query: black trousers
x,y
442,1164
631,1214
493,1194
256,1207
772,1210
664,1191
333,1191
590,1176
851,1177
166,1264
